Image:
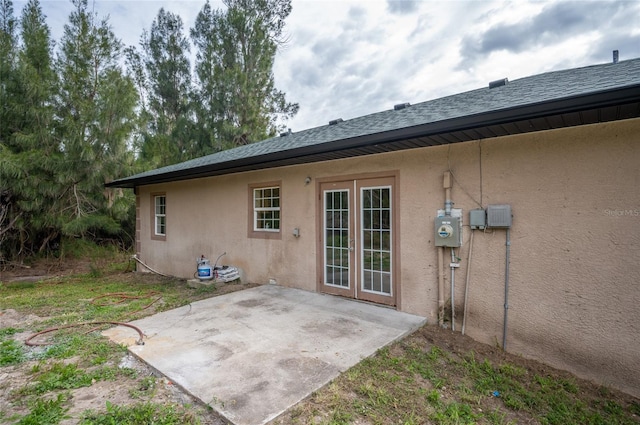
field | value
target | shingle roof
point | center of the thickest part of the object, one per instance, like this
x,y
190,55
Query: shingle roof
x,y
597,93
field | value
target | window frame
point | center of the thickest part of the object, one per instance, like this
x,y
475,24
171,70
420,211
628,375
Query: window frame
x,y
253,231
155,215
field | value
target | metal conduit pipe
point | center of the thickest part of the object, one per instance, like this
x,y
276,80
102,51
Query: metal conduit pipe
x,y
506,290
441,286
446,184
466,285
453,286
447,193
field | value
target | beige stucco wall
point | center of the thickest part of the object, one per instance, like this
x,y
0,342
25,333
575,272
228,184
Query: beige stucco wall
x,y
574,274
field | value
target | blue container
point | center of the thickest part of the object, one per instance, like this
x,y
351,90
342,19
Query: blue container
x,y
205,271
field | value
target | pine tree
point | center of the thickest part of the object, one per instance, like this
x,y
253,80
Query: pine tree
x,y
236,48
36,147
96,112
164,54
62,137
8,216
8,52
10,168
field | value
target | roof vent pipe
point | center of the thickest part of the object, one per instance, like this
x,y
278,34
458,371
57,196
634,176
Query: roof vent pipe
x,y
498,83
336,121
286,133
616,56
400,106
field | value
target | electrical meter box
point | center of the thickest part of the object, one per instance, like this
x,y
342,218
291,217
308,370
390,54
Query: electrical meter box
x,y
448,231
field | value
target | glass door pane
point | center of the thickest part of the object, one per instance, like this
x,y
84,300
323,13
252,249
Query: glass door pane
x,y
376,240
336,237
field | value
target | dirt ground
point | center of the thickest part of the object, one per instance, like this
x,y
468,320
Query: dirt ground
x,y
123,392
20,272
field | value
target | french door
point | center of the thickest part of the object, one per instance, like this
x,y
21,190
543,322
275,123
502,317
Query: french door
x,y
357,239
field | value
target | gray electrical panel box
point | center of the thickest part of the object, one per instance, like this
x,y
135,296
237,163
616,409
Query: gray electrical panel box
x,y
499,216
477,219
448,231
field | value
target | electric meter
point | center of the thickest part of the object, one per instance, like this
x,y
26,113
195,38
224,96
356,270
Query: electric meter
x,y
445,231
448,232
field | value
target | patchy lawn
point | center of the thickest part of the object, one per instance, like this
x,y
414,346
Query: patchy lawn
x,y
433,376
436,376
78,376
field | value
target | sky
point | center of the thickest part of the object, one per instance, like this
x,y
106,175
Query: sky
x,y
348,58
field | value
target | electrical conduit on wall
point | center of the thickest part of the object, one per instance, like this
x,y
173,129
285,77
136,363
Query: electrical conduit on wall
x,y
468,281
446,184
506,290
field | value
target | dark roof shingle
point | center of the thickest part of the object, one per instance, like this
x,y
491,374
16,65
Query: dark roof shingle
x,y
450,112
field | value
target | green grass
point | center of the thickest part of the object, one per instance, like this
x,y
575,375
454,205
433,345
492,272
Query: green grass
x,y
46,412
11,351
49,377
409,383
144,413
70,299
146,386
73,299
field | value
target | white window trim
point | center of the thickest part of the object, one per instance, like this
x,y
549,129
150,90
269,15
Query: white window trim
x,y
157,215
257,210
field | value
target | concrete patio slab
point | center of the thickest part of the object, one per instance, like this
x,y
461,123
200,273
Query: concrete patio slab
x,y
253,354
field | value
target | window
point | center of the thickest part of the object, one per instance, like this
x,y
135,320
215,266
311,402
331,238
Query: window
x,y
159,216
264,210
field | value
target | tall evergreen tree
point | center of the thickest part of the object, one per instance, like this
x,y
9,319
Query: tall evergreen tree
x,y
164,53
10,170
236,48
8,52
31,155
96,108
61,138
37,81
137,73
35,146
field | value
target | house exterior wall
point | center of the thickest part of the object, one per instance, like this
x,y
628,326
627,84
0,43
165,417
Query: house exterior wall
x,y
575,240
